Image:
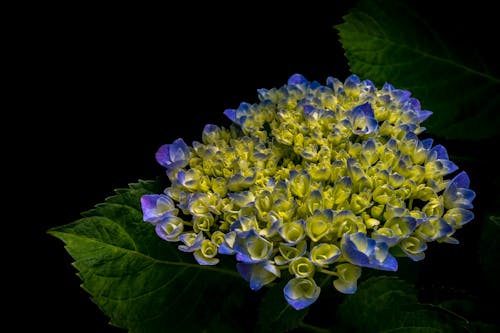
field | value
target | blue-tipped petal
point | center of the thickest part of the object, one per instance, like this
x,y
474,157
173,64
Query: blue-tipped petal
x,y
301,292
441,167
457,194
363,110
192,241
170,229
204,261
314,85
231,114
363,119
258,274
438,152
434,228
362,251
297,79
352,81
414,248
210,133
250,247
461,180
173,156
383,259
288,253
157,208
292,232
401,95
206,254
357,247
423,115
427,143
457,217
388,87
335,84
348,275
324,254
226,247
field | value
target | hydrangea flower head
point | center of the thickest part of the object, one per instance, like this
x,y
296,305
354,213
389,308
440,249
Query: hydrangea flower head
x,y
314,179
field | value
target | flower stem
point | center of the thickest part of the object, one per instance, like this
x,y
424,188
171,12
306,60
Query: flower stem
x,y
312,328
325,271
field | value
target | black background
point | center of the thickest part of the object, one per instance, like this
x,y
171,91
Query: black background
x,y
109,84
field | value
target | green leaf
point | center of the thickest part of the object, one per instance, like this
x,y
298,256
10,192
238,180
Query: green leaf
x,y
388,304
275,314
489,251
143,283
388,41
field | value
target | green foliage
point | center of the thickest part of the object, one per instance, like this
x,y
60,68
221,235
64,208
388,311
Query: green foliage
x,y
388,41
146,285
490,251
143,283
388,304
275,314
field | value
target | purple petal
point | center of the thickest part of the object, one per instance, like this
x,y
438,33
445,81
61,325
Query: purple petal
x,y
156,207
175,155
163,155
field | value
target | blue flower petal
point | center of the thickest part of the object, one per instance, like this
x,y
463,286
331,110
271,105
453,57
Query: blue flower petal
x,y
427,143
423,115
438,152
301,292
231,114
204,261
258,274
348,276
173,156
157,208
352,81
335,84
363,119
192,242
250,247
457,194
226,247
401,95
356,248
297,79
461,180
170,229
362,251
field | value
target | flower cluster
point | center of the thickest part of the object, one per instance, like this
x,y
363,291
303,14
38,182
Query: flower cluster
x,y
313,179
